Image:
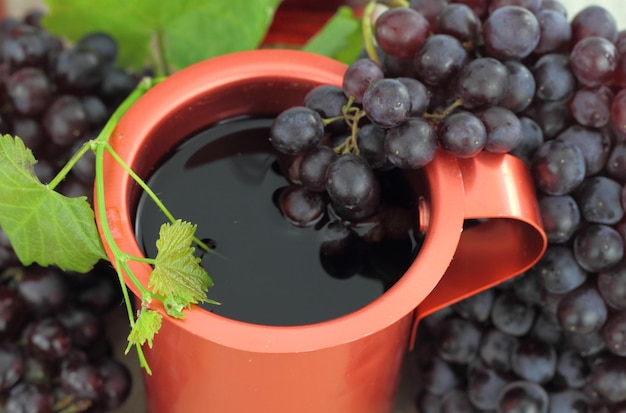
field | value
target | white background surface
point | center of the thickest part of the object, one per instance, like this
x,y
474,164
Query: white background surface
x,y
18,8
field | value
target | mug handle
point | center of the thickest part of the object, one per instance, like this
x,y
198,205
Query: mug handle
x,y
499,189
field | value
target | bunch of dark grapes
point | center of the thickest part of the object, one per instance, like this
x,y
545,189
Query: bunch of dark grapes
x,y
505,76
54,353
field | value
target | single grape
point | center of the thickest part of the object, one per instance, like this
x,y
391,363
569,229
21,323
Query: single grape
x,y
560,217
387,102
358,77
548,331
438,376
81,379
301,207
612,285
582,311
77,70
552,116
558,167
11,366
484,385
592,106
412,144
555,5
586,345
65,120
511,32
25,48
556,32
313,166
460,22
482,82
532,5
569,400
296,129
84,326
479,7
371,142
43,289
599,200
557,270
520,88
48,339
29,91
534,360
609,378
593,61
116,85
400,31
614,333
418,93
340,252
511,316
555,80
618,112
352,187
571,369
477,307
462,134
523,396
428,402
532,139
430,9
439,59
116,383
504,129
29,397
328,101
593,20
527,288
496,348
13,312
456,401
103,45
593,144
458,341
97,112
598,247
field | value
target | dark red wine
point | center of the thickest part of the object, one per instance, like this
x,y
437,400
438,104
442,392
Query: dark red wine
x,y
227,180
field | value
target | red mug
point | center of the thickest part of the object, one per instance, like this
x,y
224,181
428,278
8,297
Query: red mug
x,y
350,364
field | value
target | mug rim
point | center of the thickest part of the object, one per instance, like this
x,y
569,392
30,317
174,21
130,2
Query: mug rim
x,y
446,201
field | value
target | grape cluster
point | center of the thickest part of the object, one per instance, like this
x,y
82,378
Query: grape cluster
x,y
54,353
505,76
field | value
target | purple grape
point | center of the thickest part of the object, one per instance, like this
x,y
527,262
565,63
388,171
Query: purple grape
x,y
557,270
400,31
552,117
462,134
340,252
116,383
569,400
527,288
418,93
523,396
480,7
556,32
25,48
460,22
618,113
532,5
555,5
593,60
65,120
11,366
511,316
592,106
532,138
598,247
593,144
571,369
358,77
371,142
496,348
456,401
560,217
116,85
534,360
511,32
296,129
483,387
29,91
430,9
387,102
504,129
103,45
313,166
586,345
582,311
77,71
438,376
412,144
328,101
84,326
458,341
609,378
558,167
44,290
612,285
548,331
352,187
520,88
599,200
28,397
81,379
614,333
48,339
477,307
13,313
439,59
482,82
301,207
593,20
554,78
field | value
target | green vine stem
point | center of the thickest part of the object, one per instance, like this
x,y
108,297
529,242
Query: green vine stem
x,y
368,34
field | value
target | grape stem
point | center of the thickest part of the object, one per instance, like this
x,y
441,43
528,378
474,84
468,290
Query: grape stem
x,y
368,33
438,117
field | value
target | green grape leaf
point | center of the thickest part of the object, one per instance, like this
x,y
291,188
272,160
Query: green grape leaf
x,y
146,326
177,272
340,38
189,30
44,226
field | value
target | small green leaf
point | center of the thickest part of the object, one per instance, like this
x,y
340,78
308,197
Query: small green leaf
x,y
44,226
177,272
340,38
192,30
146,326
